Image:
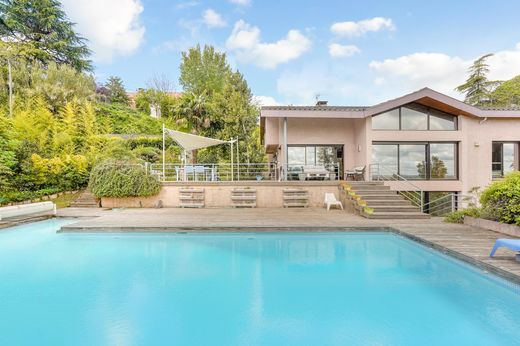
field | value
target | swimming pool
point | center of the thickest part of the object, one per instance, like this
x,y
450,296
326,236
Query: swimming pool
x,y
244,289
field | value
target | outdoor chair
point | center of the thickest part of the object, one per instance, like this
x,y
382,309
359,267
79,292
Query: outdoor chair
x,y
513,244
330,200
199,170
358,173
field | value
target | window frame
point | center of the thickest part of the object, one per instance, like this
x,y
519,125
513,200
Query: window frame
x,y
516,157
427,156
428,115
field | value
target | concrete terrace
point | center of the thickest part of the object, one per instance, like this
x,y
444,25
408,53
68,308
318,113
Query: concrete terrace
x,y
463,242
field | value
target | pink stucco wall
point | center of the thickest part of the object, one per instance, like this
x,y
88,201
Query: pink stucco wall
x,y
474,135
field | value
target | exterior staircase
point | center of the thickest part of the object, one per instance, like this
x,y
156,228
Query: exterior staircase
x,y
86,200
386,204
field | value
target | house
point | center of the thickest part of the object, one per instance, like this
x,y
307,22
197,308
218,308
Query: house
x,y
436,142
155,109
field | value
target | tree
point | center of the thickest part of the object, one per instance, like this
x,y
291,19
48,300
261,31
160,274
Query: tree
x,y
117,92
45,27
228,109
193,115
7,154
477,88
203,71
507,94
438,169
59,84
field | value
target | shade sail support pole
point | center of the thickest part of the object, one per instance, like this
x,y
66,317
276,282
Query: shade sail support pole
x,y
163,152
238,162
231,144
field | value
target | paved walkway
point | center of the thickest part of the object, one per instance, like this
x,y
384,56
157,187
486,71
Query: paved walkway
x,y
467,243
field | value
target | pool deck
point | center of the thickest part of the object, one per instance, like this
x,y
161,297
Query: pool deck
x,y
467,243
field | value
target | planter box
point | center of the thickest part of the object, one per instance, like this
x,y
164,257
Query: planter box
x,y
504,228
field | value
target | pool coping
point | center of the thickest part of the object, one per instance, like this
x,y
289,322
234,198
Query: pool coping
x,y
486,267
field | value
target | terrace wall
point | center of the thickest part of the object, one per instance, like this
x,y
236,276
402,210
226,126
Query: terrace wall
x,y
218,194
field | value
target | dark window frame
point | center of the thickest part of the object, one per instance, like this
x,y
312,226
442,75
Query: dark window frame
x,y
427,157
516,157
428,115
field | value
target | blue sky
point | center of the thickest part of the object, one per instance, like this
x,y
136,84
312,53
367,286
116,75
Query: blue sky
x,y
348,52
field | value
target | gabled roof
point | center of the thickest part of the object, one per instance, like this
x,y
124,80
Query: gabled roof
x,y
425,96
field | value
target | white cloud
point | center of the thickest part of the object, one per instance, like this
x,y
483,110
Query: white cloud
x,y
245,42
241,2
213,19
337,50
353,29
439,71
265,100
113,28
332,82
187,4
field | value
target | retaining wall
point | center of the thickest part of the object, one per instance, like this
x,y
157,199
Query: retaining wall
x,y
218,194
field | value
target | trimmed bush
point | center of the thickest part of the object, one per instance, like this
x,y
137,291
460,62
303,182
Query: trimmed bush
x,y
458,216
20,196
116,179
501,200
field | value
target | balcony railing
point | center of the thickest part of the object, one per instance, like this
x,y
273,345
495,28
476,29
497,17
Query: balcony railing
x,y
242,172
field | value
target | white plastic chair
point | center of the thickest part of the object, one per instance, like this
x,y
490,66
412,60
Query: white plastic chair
x,y
330,200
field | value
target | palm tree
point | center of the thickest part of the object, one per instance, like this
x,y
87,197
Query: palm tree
x,y
192,115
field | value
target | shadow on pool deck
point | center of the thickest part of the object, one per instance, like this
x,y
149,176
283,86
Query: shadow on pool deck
x,y
467,243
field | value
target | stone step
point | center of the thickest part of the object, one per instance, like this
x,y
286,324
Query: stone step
x,y
85,200
383,197
355,183
386,202
371,187
374,192
395,215
393,208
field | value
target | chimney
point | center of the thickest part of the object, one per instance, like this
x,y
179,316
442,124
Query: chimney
x,y
321,103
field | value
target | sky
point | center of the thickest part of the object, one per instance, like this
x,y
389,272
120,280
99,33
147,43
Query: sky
x,y
295,51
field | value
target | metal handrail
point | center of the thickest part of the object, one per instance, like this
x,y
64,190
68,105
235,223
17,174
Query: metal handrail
x,y
448,203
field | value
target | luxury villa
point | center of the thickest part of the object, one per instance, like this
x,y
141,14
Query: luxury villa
x,y
437,143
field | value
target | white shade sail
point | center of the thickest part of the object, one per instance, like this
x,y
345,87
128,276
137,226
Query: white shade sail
x,y
192,142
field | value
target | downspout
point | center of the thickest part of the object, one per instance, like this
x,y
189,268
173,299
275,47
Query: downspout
x,y
285,165
482,121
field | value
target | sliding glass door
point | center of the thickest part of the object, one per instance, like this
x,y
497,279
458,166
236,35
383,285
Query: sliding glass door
x,y
416,161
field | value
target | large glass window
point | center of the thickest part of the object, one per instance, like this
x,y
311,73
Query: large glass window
x,y
300,158
387,156
504,158
416,117
296,155
412,161
441,121
386,121
416,160
443,161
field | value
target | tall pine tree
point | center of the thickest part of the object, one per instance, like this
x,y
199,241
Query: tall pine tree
x,y
44,26
477,88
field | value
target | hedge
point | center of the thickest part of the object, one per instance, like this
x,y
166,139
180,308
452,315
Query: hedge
x,y
501,200
117,179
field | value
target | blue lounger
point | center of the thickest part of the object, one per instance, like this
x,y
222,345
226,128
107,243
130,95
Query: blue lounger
x,y
513,244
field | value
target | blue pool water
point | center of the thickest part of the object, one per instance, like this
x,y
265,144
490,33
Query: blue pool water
x,y
244,289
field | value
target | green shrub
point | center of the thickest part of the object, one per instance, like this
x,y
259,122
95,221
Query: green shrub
x,y
501,200
458,216
148,154
20,196
117,179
